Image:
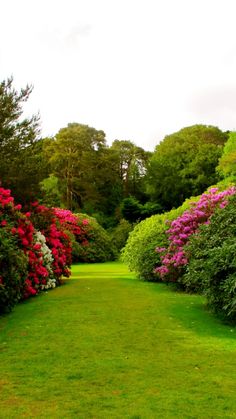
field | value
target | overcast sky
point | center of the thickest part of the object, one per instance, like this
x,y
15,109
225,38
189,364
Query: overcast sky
x,y
137,69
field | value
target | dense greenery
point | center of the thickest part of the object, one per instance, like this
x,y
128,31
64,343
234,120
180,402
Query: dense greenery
x,y
119,186
174,258
18,143
227,166
212,263
120,234
139,252
13,270
184,163
95,244
77,170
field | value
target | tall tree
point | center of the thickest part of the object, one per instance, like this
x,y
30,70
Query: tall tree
x,y
131,165
74,156
17,138
184,164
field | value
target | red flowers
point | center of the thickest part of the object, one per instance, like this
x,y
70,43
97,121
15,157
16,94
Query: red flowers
x,y
47,262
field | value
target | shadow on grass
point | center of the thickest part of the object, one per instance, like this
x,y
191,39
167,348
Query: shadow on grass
x,y
193,314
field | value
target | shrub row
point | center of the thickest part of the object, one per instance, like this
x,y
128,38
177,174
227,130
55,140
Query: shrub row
x,y
36,247
139,251
195,248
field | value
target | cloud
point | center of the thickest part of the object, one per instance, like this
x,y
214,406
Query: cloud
x,y
73,37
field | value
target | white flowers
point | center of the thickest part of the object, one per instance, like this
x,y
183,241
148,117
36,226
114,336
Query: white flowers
x,y
47,258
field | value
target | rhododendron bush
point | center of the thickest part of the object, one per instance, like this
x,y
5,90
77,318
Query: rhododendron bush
x,y
58,238
94,244
212,262
35,250
139,252
174,257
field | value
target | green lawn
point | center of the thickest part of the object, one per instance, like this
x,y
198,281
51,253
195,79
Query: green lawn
x,y
107,345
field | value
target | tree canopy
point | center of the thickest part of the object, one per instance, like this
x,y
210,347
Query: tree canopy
x,y
18,138
76,169
184,163
227,162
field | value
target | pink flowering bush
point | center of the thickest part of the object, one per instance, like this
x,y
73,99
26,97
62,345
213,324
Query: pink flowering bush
x,y
94,244
90,242
35,250
174,257
18,259
58,238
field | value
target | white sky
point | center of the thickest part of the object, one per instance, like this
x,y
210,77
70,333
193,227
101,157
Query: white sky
x,y
137,69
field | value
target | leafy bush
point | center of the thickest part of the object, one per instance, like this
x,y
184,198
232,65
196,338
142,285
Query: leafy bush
x,y
30,260
58,240
120,234
20,227
94,243
13,270
139,252
212,262
132,210
174,258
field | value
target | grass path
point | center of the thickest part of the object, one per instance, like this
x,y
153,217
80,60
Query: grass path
x,y
106,345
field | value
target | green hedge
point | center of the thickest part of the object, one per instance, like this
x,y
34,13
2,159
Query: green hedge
x,y
139,252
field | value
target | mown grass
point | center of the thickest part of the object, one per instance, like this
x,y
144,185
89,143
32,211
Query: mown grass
x,y
107,345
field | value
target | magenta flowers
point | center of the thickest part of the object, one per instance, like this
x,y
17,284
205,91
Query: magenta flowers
x,y
174,257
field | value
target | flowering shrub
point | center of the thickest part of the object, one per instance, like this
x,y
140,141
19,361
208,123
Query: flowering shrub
x,y
35,250
58,240
174,256
13,270
90,242
139,251
120,234
94,243
212,262
20,231
49,281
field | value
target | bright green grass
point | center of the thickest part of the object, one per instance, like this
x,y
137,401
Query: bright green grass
x,y
107,345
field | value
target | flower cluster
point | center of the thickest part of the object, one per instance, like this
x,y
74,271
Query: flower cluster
x,y
36,249
174,257
69,221
58,239
49,281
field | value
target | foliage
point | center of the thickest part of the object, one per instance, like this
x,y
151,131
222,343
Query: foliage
x,y
91,243
132,210
94,244
212,261
18,137
52,196
131,164
13,270
57,238
139,252
22,230
30,260
120,234
227,162
74,155
173,257
183,164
